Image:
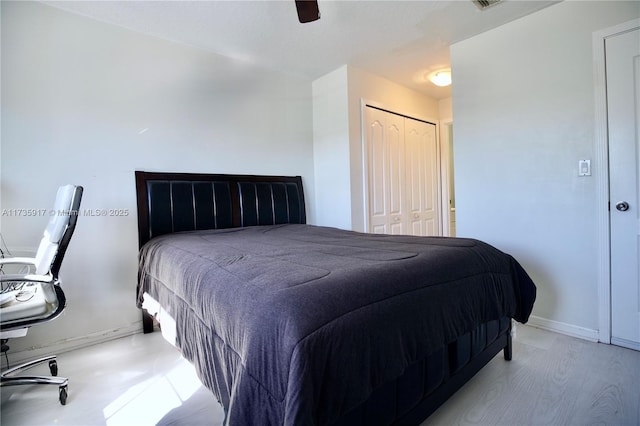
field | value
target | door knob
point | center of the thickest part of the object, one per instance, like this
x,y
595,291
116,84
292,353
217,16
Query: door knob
x,y
622,206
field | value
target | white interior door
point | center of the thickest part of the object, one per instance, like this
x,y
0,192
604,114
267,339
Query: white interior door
x,y
385,151
422,177
623,111
403,186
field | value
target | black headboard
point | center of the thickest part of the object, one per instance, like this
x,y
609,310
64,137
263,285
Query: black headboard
x,y
173,202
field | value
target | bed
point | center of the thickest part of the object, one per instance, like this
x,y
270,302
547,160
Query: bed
x,y
295,324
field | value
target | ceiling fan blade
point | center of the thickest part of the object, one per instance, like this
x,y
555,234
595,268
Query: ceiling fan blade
x,y
307,10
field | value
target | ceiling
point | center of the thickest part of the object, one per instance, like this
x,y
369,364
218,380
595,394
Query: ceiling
x,y
400,40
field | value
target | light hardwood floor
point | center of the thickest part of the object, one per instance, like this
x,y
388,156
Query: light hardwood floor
x,y
141,380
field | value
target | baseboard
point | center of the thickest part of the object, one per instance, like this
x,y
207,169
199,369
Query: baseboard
x,y
73,343
625,343
564,328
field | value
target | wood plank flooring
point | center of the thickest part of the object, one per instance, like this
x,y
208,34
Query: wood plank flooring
x,y
141,380
552,380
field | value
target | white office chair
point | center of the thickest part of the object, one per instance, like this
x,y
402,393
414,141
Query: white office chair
x,y
35,297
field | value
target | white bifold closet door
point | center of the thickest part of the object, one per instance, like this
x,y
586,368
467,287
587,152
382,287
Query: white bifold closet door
x,y
402,174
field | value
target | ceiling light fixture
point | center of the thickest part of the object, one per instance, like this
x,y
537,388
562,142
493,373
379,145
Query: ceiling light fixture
x,y
441,78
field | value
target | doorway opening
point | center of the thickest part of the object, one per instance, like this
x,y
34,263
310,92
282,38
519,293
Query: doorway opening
x,y
448,180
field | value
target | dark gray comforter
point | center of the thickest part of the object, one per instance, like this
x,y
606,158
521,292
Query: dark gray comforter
x,y
297,324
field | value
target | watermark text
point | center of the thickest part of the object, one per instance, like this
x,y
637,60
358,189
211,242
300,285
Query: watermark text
x,y
54,212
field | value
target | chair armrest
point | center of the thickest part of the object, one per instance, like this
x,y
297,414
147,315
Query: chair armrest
x,y
26,277
27,262
17,260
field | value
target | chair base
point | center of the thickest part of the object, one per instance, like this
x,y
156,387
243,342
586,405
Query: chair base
x,y
7,377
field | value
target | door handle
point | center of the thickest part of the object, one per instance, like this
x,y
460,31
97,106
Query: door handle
x,y
622,206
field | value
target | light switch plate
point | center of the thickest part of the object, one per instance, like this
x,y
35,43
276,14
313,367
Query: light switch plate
x,y
584,168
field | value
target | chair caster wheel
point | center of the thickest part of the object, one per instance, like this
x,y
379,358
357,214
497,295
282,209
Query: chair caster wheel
x,y
63,395
53,367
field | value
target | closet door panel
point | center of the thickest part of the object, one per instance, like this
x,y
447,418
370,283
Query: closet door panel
x,y
422,177
402,174
376,170
415,180
385,160
397,203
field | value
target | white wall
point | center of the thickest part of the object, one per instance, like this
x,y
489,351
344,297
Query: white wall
x,y
331,149
523,107
445,108
338,149
88,103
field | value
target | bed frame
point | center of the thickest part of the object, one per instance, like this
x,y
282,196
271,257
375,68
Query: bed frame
x,y
173,202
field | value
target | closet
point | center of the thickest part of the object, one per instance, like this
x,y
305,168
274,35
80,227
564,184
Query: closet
x,y
401,174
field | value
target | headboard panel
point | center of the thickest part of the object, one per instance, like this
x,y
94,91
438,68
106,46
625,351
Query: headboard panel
x,y
270,203
174,202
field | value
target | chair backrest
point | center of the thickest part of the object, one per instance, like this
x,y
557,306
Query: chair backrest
x,y
56,237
